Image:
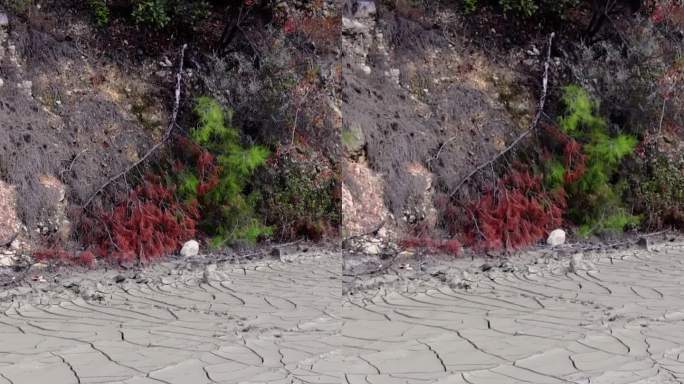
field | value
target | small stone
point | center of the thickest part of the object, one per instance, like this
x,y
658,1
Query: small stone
x,y
190,248
4,21
119,279
275,253
556,237
485,267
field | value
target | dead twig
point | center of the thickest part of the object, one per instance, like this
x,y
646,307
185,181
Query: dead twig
x,y
71,164
533,125
439,151
165,138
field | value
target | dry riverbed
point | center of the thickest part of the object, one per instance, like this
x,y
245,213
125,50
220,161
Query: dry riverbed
x,y
321,316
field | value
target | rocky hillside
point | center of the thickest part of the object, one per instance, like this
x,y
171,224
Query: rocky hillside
x,y
119,144
441,144
132,126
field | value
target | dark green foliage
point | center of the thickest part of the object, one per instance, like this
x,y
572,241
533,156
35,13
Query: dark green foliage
x,y
221,176
100,12
657,191
595,199
159,14
526,8
154,13
299,196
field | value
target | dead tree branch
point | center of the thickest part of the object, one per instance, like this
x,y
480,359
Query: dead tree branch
x,y
533,125
165,138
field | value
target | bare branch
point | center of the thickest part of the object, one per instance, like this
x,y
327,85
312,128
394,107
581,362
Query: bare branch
x,y
535,121
165,138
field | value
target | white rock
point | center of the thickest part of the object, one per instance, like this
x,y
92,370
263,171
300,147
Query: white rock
x,y
556,237
190,248
371,249
4,21
7,260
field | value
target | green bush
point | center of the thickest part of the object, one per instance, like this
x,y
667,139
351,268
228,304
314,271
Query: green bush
x,y
100,12
595,199
155,13
228,209
299,195
527,8
657,190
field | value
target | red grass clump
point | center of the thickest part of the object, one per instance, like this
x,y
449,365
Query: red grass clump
x,y
59,255
146,225
517,213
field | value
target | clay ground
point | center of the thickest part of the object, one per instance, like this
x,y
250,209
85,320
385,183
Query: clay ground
x,y
543,317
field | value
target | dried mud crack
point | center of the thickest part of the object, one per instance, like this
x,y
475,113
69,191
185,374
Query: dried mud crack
x,y
264,321
611,317
604,317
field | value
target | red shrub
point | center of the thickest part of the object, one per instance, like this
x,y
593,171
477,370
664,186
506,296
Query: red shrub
x,y
517,213
147,224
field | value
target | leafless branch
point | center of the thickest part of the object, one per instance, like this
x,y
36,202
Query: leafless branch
x,y
165,138
533,125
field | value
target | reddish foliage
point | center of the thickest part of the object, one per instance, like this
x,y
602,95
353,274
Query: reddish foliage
x,y
517,213
574,159
58,255
451,246
147,224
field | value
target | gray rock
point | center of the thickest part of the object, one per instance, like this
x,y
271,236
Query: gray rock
x,y
190,249
4,20
556,237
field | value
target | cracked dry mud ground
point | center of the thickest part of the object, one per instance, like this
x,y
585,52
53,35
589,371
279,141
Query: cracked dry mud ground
x,y
263,322
620,320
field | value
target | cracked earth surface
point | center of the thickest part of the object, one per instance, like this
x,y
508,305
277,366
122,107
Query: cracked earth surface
x,y
262,322
608,318
604,317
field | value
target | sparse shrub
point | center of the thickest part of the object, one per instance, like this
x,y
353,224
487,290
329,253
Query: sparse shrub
x,y
17,6
155,13
299,195
159,14
220,176
527,8
469,6
656,190
100,12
